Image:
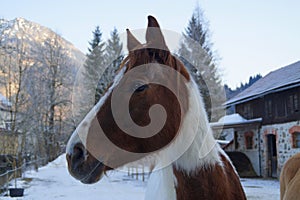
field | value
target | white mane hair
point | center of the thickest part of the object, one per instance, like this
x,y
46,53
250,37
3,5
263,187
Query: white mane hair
x,y
202,152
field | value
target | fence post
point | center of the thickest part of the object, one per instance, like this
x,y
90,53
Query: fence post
x,y
7,184
143,174
132,172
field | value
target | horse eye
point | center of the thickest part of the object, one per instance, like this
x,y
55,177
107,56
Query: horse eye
x,y
141,88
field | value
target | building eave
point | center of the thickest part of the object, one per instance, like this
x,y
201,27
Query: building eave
x,y
251,122
260,95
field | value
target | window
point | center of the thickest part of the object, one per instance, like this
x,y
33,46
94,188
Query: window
x,y
268,108
248,111
292,103
289,105
249,140
280,108
296,139
296,103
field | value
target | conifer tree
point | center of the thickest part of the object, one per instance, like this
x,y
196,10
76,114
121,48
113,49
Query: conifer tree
x,y
113,59
196,53
94,66
97,39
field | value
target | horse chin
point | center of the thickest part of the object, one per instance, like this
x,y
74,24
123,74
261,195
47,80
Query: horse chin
x,y
94,176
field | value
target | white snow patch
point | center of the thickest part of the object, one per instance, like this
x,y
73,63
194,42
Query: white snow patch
x,y
233,118
54,182
266,189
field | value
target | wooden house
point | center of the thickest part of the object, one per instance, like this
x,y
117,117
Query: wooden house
x,y
269,129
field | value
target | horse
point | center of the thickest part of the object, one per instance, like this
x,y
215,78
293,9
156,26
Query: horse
x,y
290,179
163,123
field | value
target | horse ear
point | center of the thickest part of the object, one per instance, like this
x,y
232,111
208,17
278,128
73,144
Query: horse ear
x,y
132,42
154,36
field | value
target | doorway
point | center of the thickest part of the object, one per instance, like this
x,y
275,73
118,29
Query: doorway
x,y
272,156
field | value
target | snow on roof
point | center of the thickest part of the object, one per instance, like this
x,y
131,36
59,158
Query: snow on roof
x,y
281,79
234,119
223,142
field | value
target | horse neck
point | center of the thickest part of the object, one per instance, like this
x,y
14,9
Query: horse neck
x,y
203,151
202,154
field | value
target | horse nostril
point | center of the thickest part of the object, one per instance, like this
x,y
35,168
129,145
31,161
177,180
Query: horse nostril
x,y
78,155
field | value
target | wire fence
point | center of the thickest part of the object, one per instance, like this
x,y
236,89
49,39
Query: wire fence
x,y
9,175
138,173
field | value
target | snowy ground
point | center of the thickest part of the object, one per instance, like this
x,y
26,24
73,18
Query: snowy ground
x,y
261,189
54,182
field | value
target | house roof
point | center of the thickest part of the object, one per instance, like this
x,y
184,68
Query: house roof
x,y
282,79
234,120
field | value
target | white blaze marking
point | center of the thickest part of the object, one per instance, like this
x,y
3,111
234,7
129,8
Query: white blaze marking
x,y
81,133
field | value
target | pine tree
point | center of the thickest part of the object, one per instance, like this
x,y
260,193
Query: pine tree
x,y
96,40
113,59
196,53
94,65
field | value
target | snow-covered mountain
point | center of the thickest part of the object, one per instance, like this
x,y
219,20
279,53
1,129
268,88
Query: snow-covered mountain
x,y
34,35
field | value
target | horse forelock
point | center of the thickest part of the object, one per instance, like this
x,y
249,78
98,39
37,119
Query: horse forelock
x,y
140,56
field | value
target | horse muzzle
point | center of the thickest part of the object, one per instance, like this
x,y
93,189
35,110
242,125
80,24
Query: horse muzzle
x,y
83,166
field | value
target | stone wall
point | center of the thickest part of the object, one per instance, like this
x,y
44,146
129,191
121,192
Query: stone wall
x,y
258,155
284,145
240,143
253,153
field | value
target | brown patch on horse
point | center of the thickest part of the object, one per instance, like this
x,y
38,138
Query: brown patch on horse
x,y
212,182
290,179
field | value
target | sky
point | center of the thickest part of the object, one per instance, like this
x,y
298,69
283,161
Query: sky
x,y
249,37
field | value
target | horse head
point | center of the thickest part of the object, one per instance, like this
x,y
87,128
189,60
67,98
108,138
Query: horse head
x,y
140,114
